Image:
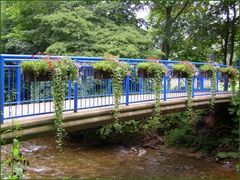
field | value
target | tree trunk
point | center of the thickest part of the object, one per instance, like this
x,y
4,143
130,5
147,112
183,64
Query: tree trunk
x,y
167,34
233,33
226,38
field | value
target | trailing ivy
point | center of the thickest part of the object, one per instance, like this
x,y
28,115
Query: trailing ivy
x,y
118,71
155,70
158,90
213,91
59,83
186,70
189,98
60,70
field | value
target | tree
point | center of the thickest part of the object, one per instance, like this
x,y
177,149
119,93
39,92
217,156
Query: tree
x,y
165,22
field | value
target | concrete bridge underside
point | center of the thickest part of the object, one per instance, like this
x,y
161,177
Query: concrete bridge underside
x,y
42,125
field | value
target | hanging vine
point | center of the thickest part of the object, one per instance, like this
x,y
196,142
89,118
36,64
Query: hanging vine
x,y
59,83
187,70
158,89
189,98
213,91
118,72
156,71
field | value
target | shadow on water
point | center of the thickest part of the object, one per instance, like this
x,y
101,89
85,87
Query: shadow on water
x,y
85,162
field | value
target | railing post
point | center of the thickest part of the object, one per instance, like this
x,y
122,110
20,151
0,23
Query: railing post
x,y
75,96
201,84
69,89
2,90
140,85
18,84
193,79
127,80
164,87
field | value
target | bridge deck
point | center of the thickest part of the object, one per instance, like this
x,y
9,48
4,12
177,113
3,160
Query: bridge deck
x,y
38,126
37,108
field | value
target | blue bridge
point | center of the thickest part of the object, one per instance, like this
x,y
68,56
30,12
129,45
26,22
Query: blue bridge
x,y
87,98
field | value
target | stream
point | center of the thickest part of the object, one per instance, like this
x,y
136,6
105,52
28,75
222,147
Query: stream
x,y
83,162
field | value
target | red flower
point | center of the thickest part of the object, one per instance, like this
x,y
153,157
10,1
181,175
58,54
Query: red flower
x,y
50,65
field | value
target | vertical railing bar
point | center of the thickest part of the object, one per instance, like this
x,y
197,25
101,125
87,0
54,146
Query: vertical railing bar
x,y
164,87
127,80
2,71
75,96
18,84
193,79
217,79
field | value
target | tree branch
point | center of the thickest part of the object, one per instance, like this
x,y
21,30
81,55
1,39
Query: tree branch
x,y
181,10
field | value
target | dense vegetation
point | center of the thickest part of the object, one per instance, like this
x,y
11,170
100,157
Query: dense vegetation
x,y
193,30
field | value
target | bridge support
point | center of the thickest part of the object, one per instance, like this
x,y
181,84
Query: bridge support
x,y
2,90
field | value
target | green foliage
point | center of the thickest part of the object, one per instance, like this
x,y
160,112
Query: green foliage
x,y
186,68
16,162
224,155
123,128
235,109
178,136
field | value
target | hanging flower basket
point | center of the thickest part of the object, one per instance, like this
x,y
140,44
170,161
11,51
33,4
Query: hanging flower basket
x,y
42,70
149,69
206,74
142,73
100,74
228,73
207,70
179,74
184,69
105,69
225,76
30,76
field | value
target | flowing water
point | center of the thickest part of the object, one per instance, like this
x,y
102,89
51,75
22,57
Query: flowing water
x,y
83,162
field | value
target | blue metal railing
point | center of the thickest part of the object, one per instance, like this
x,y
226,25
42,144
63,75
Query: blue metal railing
x,y
19,98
